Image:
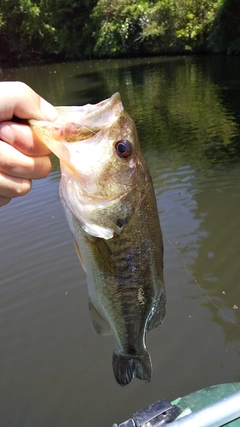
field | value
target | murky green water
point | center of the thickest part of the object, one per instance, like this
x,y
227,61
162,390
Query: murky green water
x,y
54,370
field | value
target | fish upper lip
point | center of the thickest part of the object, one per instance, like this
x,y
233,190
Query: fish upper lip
x,y
93,114
96,111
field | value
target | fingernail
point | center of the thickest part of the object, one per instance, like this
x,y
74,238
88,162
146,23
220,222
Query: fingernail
x,y
6,134
48,110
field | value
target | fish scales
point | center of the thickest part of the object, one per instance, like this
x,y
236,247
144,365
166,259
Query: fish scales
x,y
109,201
132,252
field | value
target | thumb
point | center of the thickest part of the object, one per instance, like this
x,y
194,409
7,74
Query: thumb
x,y
47,110
18,99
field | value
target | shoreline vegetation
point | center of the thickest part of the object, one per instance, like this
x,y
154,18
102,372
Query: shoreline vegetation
x,y
36,31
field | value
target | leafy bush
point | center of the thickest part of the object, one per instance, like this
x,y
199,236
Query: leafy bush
x,y
118,26
159,26
73,29
25,29
225,34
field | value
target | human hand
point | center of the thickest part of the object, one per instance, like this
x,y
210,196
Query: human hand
x,y
22,156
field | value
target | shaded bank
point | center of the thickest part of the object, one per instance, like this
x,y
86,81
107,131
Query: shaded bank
x,y
36,30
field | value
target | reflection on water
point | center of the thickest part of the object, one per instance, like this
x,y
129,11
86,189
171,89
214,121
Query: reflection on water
x,y
55,371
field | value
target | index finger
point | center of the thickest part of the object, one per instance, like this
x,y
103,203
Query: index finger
x,y
18,99
20,136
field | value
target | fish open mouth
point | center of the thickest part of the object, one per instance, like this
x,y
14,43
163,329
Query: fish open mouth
x,y
72,132
80,123
90,117
74,124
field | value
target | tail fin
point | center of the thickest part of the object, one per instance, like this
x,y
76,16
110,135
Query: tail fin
x,y
127,366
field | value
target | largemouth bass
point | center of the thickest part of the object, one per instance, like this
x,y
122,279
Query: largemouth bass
x,y
110,205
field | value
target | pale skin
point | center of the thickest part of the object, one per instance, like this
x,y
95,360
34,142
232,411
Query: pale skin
x,y
22,156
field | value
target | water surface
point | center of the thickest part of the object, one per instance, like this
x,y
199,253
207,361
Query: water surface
x,y
56,371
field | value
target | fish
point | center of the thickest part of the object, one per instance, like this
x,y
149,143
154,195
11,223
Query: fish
x,y
110,205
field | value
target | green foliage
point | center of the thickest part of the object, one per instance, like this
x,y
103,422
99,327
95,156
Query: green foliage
x,y
32,29
155,27
25,29
234,47
73,29
118,26
225,35
159,27
196,17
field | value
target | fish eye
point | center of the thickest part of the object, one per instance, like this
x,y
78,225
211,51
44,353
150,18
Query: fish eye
x,y
124,148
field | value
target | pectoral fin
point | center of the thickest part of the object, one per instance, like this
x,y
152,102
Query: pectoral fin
x,y
78,253
98,231
99,324
103,256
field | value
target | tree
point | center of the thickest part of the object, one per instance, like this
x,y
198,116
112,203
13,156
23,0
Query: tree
x,y
25,28
118,26
73,25
225,35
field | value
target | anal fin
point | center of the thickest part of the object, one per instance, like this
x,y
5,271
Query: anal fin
x,y
158,315
99,324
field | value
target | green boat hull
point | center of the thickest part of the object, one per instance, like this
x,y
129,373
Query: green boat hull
x,y
202,398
